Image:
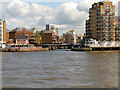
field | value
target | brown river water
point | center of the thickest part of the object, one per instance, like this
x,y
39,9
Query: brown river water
x,y
60,69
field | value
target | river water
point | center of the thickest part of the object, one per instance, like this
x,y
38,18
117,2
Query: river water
x,y
60,69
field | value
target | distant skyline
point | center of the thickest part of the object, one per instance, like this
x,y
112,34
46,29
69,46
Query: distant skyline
x,y
36,13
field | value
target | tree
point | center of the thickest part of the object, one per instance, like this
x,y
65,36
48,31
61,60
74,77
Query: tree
x,y
42,36
37,37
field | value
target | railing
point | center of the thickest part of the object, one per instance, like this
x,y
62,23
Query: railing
x,y
105,44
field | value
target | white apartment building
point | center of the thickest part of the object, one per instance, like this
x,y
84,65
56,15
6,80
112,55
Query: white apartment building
x,y
1,33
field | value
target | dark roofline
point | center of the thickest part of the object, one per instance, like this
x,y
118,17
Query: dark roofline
x,y
21,37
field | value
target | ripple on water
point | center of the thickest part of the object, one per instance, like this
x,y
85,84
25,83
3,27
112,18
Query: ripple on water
x,y
60,69
10,87
50,78
37,81
12,78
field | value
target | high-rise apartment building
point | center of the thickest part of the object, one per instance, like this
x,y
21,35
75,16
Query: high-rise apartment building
x,y
100,25
2,33
117,28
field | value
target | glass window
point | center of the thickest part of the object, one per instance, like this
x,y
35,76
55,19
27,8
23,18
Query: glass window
x,y
98,13
107,5
111,13
94,6
98,17
103,13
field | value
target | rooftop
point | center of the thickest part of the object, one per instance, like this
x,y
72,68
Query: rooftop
x,y
19,29
46,31
21,37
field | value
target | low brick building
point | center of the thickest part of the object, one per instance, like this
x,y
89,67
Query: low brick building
x,y
50,37
22,39
20,32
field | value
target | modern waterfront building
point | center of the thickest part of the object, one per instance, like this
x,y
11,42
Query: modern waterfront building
x,y
117,28
62,38
79,39
70,37
101,23
2,33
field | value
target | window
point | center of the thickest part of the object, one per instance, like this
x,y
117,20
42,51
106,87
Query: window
x,y
107,13
0,28
98,9
107,7
98,17
104,17
98,13
117,25
111,13
94,6
103,28
103,13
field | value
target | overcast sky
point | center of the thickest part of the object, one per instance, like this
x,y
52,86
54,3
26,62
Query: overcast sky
x,y
65,14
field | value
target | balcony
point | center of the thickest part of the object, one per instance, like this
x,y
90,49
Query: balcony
x,y
90,16
111,17
111,31
98,28
26,35
98,20
90,12
98,14
111,13
98,25
107,10
103,13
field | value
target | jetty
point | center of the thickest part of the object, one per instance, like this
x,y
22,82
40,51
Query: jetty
x,y
23,49
96,49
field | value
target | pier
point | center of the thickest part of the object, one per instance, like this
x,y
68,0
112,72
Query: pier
x,y
24,49
95,49
103,48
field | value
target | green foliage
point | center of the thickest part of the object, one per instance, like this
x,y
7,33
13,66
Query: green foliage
x,y
37,37
42,36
